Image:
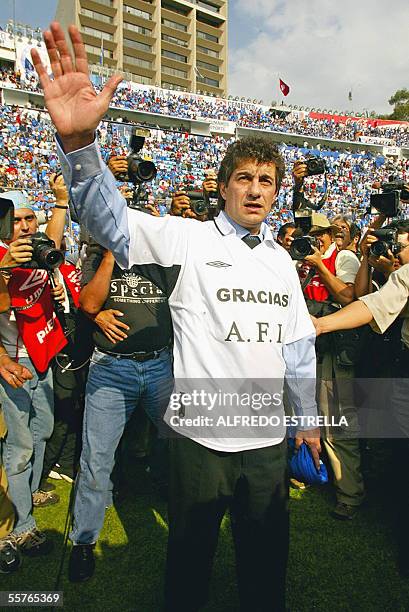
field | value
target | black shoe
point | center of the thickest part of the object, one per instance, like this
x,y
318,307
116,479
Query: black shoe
x,y
344,512
82,563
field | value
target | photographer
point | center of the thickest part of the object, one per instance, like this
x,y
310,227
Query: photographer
x,y
285,235
182,205
381,309
118,164
330,273
32,335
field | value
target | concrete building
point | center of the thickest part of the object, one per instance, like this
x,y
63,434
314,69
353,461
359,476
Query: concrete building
x,y
173,44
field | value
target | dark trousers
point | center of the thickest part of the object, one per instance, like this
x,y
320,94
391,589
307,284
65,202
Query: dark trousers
x,y
203,485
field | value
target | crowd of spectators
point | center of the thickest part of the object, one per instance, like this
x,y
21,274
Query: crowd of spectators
x,y
196,107
28,156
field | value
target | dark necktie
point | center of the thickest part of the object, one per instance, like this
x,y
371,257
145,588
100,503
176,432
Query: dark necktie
x,y
251,241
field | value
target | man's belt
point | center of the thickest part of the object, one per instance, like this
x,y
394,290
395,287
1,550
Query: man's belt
x,y
141,357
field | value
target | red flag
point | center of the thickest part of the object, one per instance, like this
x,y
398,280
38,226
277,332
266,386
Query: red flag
x,y
285,90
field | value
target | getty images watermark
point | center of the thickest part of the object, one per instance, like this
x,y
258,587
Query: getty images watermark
x,y
240,410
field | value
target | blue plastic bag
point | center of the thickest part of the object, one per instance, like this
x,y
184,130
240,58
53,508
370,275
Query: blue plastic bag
x,y
302,466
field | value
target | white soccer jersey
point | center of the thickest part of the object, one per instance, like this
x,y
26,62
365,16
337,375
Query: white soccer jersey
x,y
233,308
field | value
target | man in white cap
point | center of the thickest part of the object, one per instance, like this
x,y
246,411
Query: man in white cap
x,y
331,287
30,336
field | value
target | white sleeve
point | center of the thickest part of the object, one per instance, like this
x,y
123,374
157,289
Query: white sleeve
x,y
157,240
346,266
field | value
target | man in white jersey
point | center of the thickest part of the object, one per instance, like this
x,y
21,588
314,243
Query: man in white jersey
x,y
240,325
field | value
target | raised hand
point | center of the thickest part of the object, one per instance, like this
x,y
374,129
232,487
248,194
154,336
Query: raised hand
x,y
70,98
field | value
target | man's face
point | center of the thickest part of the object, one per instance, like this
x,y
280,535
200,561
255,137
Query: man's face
x,y
250,193
342,238
287,239
25,223
403,256
324,240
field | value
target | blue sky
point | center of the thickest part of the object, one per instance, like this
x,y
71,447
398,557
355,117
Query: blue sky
x,y
323,49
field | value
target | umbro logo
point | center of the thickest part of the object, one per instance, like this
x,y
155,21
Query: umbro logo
x,y
218,264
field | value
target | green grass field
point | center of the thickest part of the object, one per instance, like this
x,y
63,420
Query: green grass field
x,y
333,565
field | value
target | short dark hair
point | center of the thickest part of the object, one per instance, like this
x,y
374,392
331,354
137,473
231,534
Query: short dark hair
x,y
283,229
258,148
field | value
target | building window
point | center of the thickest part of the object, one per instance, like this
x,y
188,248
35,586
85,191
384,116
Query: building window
x,y
138,78
137,61
137,28
207,36
176,9
174,56
207,51
174,24
137,12
167,85
95,15
209,7
174,72
97,51
135,44
97,33
174,40
105,2
207,66
208,81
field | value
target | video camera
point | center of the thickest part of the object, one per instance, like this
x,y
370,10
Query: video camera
x,y
140,170
387,241
388,202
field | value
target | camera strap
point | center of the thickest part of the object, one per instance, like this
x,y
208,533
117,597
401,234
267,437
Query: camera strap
x,y
308,279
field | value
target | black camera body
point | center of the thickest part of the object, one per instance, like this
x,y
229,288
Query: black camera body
x,y
303,246
203,202
45,255
388,202
139,171
387,241
315,165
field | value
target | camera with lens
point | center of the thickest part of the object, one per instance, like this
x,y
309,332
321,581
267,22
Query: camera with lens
x,y
387,241
45,255
315,165
140,170
203,202
388,202
303,246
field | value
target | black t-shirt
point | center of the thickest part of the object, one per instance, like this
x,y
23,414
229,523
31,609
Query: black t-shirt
x,y
144,306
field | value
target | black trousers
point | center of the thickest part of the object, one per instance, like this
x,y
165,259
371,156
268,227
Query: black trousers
x,y
203,485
